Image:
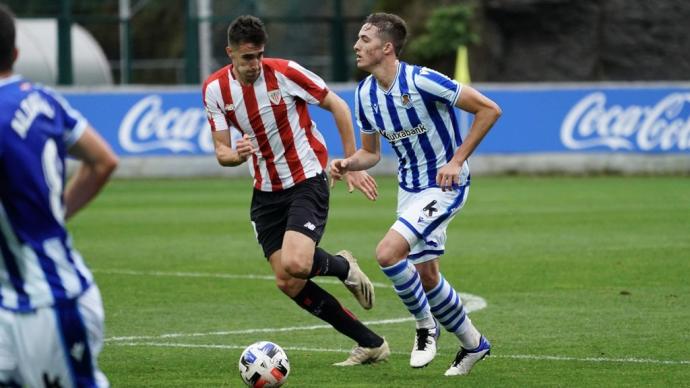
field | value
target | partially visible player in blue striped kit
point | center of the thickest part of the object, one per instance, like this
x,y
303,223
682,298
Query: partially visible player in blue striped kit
x,y
51,313
413,108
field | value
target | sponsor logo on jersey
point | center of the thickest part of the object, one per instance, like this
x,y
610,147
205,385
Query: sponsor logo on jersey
x,y
392,136
310,226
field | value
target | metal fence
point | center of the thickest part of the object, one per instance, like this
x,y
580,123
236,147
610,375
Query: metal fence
x,y
182,41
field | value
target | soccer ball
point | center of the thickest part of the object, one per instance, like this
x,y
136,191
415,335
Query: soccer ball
x,y
264,365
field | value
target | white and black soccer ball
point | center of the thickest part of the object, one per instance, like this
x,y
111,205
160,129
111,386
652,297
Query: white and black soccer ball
x,y
264,364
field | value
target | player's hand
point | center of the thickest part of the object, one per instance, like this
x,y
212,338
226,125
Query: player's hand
x,y
244,147
362,182
448,176
338,169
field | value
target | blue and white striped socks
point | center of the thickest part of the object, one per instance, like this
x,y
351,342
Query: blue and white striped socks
x,y
447,307
408,286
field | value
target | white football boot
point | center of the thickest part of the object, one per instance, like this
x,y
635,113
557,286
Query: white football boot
x,y
360,355
424,349
357,282
465,359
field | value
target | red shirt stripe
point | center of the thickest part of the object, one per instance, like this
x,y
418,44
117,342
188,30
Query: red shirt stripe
x,y
252,106
273,112
284,129
232,119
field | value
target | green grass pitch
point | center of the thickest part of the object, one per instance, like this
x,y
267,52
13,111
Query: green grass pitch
x,y
587,283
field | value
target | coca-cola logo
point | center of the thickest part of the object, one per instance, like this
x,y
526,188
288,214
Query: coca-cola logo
x,y
663,126
148,127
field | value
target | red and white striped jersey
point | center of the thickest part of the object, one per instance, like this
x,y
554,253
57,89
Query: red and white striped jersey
x,y
273,112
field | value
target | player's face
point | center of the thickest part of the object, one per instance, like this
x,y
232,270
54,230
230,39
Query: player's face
x,y
368,48
246,59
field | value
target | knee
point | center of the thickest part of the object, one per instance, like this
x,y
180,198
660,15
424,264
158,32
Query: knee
x,y
388,254
289,286
429,277
296,266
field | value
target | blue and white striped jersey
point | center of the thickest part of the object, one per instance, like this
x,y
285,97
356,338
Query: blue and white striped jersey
x,y
417,117
38,266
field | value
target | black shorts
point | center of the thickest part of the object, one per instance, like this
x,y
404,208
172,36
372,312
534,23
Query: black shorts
x,y
302,208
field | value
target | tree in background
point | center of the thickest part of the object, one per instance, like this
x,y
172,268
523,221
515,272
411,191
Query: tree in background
x,y
437,29
446,39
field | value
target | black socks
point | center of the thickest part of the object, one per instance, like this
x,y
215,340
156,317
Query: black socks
x,y
326,264
324,306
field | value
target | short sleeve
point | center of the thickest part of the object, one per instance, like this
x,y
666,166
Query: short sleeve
x,y
360,116
72,121
438,85
213,101
305,84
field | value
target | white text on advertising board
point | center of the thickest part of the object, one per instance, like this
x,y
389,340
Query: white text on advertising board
x,y
664,126
148,127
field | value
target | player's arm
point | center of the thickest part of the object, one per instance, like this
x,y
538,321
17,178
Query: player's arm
x,y
486,112
225,154
98,161
343,120
341,114
365,158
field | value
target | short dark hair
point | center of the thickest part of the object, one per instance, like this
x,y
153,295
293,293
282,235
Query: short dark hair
x,y
7,36
247,29
391,28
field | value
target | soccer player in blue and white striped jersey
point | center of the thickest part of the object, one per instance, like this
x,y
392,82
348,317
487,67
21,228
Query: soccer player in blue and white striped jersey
x,y
51,313
412,107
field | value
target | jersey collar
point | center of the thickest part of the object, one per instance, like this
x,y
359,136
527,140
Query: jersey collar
x,y
11,79
395,80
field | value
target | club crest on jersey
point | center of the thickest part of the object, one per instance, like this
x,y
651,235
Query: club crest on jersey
x,y
229,107
405,100
274,96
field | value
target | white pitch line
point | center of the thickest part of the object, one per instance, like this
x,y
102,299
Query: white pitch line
x,y
507,356
476,301
470,301
595,359
250,331
211,275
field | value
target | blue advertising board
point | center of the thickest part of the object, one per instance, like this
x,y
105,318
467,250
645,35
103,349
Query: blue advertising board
x,y
640,119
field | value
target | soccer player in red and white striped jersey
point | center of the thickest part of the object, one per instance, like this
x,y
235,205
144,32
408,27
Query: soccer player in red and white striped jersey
x,y
266,100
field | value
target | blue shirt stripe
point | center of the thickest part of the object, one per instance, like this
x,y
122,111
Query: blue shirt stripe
x,y
417,117
363,121
10,263
415,121
36,123
413,165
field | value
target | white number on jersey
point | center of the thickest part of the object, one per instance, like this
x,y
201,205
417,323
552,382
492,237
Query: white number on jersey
x,y
52,171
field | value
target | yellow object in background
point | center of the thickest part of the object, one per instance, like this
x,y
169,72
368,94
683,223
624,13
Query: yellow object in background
x,y
462,66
